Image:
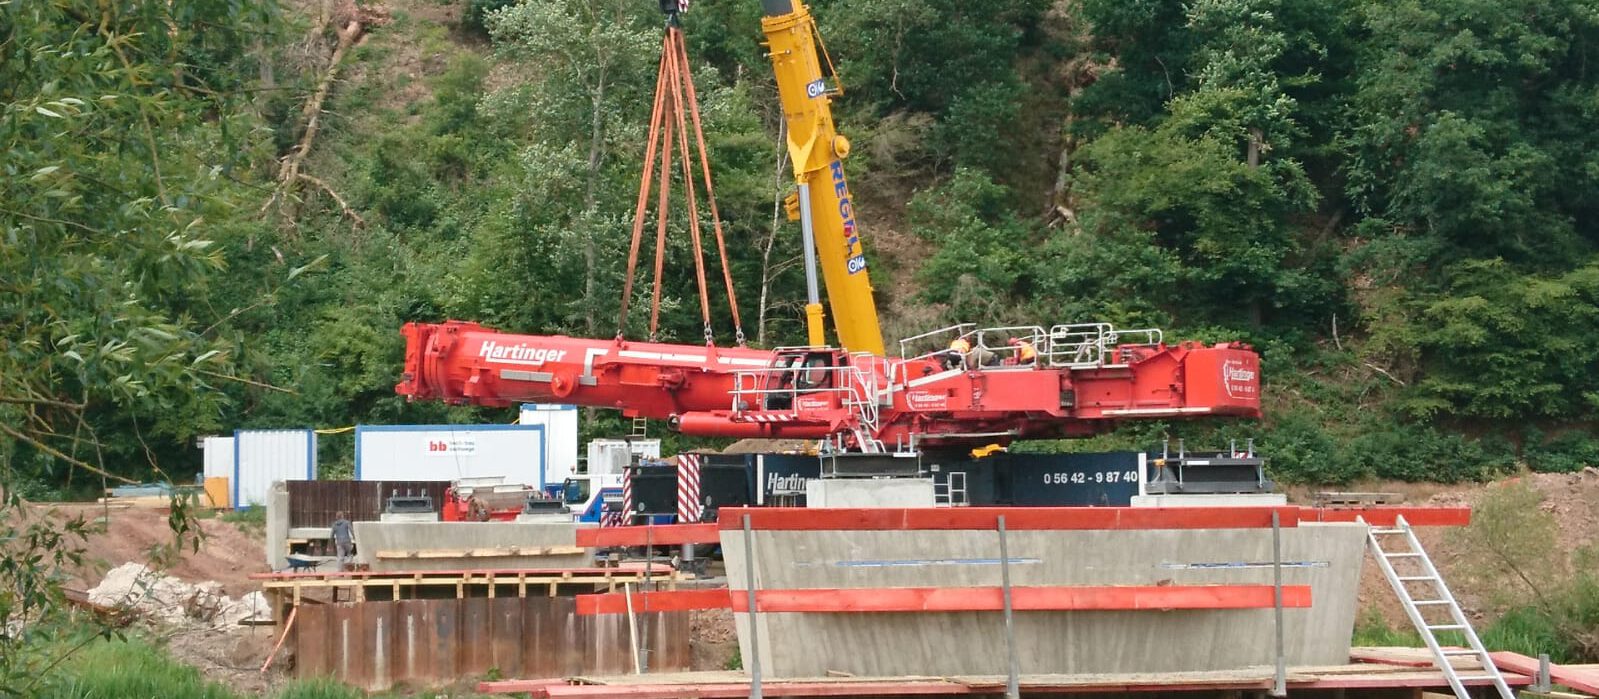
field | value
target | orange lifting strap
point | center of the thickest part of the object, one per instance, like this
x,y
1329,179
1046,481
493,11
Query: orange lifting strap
x,y
673,83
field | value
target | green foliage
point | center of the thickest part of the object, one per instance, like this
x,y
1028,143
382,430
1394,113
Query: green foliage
x,y
1500,344
131,668
1565,453
249,519
1394,201
1371,630
1546,596
124,143
141,667
35,554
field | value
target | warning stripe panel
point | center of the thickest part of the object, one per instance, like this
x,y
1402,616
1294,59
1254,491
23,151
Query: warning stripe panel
x,y
956,599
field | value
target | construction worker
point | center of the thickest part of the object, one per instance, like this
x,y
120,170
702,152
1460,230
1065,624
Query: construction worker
x,y
1025,354
343,534
956,354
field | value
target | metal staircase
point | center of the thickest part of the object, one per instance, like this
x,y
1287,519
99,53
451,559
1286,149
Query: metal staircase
x,y
1431,607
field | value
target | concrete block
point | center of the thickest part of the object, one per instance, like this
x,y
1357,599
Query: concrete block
x,y
869,492
1327,557
434,541
1219,500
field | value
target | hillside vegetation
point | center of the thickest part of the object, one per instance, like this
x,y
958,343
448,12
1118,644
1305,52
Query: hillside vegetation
x,y
1397,202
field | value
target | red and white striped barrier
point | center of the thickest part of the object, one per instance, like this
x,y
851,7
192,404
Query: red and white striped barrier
x,y
689,507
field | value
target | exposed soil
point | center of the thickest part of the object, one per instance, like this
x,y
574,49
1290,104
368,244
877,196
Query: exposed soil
x,y
1573,499
714,639
227,554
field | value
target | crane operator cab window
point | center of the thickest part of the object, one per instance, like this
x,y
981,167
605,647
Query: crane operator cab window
x,y
799,372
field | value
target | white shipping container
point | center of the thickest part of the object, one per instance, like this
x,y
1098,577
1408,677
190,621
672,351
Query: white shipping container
x,y
450,452
608,456
263,457
218,457
560,438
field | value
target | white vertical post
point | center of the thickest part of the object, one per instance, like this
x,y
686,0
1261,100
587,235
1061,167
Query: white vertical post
x,y
1013,680
755,634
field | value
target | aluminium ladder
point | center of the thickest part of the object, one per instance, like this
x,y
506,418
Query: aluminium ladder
x,y
1434,594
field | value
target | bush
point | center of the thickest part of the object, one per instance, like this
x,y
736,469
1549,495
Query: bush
x,y
475,18
1567,453
1300,450
1422,453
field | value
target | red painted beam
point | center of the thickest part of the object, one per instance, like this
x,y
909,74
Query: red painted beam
x,y
1016,518
730,690
647,535
660,601
1386,516
957,599
1582,679
442,573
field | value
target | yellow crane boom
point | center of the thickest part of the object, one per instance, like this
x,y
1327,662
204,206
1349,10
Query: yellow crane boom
x,y
826,211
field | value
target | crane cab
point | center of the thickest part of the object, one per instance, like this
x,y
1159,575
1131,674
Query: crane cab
x,y
796,372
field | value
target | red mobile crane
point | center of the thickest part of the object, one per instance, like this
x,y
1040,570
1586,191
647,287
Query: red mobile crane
x,y
1003,384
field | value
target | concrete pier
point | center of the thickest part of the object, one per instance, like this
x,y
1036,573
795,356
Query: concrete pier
x,y
1327,557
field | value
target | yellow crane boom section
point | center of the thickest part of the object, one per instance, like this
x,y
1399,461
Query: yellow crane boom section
x,y
817,151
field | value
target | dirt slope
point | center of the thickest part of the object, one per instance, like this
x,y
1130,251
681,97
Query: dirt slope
x,y
227,554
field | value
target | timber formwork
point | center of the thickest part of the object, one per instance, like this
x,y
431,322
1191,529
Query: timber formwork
x,y
1373,673
291,589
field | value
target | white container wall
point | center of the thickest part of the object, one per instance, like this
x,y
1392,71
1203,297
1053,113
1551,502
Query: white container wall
x,y
218,457
450,452
263,457
560,438
611,455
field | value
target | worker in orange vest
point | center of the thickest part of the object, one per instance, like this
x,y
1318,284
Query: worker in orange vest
x,y
956,354
1025,353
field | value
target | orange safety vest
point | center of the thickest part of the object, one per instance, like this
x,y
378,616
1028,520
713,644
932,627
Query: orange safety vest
x,y
1025,352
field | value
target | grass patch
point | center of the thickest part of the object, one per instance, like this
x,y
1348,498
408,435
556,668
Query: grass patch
x,y
1372,630
128,668
250,520
1528,631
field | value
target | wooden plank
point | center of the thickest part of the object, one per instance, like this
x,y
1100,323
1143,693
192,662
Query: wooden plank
x,y
1397,656
959,599
1582,679
1398,680
501,552
1386,516
1016,518
658,535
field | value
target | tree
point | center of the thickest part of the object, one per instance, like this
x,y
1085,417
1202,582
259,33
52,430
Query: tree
x,y
110,201
594,59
